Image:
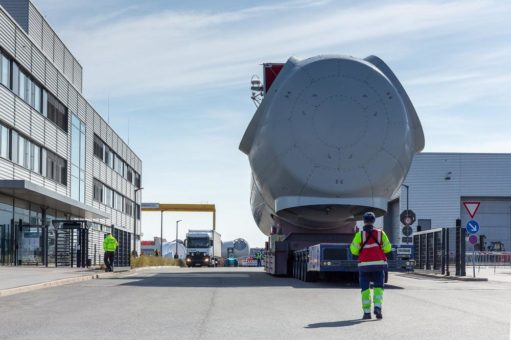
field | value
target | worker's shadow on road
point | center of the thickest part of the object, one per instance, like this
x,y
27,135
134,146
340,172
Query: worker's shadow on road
x,y
335,324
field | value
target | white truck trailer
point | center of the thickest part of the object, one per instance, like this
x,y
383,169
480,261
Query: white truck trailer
x,y
203,248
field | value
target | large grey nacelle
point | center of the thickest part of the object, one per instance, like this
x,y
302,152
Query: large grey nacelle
x,y
333,137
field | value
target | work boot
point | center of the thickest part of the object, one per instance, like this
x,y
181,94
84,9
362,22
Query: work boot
x,y
366,316
377,313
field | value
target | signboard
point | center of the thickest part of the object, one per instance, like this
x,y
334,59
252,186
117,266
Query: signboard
x,y
151,205
471,208
472,227
407,230
407,217
404,251
472,239
406,239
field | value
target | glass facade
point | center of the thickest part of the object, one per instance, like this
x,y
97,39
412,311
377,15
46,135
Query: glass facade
x,y
77,159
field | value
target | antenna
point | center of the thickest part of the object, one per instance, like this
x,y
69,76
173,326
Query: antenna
x,y
108,109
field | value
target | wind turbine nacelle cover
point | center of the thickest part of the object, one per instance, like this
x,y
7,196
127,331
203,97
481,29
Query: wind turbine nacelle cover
x,y
333,138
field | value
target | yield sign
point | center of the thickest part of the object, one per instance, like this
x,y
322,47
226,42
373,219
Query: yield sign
x,y
471,208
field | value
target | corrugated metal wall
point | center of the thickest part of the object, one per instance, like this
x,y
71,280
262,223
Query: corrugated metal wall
x,y
440,182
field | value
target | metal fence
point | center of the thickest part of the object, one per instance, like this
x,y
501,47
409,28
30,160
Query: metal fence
x,y
487,258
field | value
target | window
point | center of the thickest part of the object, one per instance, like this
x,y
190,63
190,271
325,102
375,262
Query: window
x,y
4,142
97,191
36,102
137,180
5,70
56,111
98,147
107,196
36,158
56,168
21,151
130,175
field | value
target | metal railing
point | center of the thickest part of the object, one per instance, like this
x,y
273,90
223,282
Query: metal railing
x,y
488,258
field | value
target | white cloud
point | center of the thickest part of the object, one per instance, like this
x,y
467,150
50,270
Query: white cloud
x,y
452,58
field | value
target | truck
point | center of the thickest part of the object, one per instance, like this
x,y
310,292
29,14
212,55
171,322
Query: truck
x,y
203,248
332,137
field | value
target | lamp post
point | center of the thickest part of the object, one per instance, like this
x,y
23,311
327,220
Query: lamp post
x,y
176,256
161,234
407,188
135,212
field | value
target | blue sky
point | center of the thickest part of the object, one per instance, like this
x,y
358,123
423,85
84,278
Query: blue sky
x,y
176,75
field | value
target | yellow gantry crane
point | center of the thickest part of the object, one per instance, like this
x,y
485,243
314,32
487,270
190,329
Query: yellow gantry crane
x,y
162,207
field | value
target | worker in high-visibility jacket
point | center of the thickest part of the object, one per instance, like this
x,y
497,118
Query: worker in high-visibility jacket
x,y
371,245
109,246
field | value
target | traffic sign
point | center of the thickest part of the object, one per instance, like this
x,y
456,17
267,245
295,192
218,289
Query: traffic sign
x,y
407,230
472,208
472,227
407,217
472,239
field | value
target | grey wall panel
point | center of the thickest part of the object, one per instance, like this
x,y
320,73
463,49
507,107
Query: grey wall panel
x,y
6,169
51,78
68,65
22,116
50,136
48,40
77,76
61,189
36,178
23,50
38,65
18,9
62,143
6,106
21,173
58,53
7,33
62,91
35,25
72,100
37,132
82,112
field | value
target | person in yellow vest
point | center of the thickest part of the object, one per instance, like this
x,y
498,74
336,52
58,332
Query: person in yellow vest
x,y
109,246
371,245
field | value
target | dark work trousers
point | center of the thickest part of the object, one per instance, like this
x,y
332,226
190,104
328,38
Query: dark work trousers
x,y
376,277
259,262
109,261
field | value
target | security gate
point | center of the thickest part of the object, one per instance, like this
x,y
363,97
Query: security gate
x,y
439,250
79,243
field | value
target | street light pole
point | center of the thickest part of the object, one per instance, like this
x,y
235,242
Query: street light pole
x,y
177,224
161,235
135,212
407,188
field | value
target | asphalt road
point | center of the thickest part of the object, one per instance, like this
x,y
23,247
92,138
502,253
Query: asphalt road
x,y
238,303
